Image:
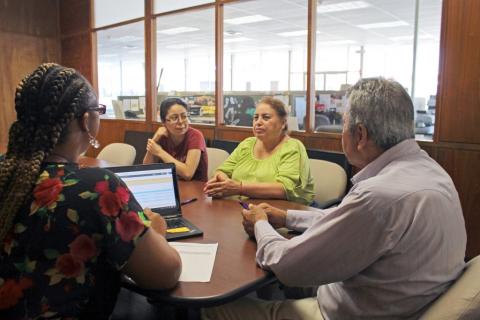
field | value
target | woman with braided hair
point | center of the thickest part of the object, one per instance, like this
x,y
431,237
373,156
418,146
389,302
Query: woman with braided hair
x,y
66,233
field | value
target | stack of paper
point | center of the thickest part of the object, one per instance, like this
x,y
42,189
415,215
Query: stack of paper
x,y
197,260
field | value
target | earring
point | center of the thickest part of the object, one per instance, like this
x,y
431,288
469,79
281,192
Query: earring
x,y
93,141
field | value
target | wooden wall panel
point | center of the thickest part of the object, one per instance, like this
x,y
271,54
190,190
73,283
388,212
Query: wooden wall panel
x,y
462,165
74,17
459,87
28,37
77,53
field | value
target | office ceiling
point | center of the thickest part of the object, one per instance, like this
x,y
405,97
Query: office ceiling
x,y
284,27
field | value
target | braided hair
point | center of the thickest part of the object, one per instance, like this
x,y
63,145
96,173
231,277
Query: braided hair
x,y
46,102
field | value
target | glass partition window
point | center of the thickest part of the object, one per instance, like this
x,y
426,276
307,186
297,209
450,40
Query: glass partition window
x,y
362,39
161,6
264,55
186,62
121,71
113,11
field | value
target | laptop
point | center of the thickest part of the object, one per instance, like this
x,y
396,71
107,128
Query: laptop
x,y
155,186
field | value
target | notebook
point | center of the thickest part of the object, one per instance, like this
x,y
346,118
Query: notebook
x,y
155,186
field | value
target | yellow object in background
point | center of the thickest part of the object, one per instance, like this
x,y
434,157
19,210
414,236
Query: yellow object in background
x,y
178,230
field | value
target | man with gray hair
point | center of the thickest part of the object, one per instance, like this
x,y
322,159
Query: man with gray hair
x,y
394,244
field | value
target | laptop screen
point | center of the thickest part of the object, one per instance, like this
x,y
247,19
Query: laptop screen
x,y
154,186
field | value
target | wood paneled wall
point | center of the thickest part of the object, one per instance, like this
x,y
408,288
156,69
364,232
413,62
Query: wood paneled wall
x,y
458,103
29,35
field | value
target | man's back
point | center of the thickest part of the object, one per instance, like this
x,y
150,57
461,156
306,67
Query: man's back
x,y
412,202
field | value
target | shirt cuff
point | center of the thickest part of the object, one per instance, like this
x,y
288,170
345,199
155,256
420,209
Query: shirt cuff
x,y
300,220
264,229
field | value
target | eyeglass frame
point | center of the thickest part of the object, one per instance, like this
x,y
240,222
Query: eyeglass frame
x,y
101,109
182,117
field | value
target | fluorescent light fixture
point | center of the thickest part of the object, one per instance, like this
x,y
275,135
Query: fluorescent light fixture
x,y
381,25
410,38
178,30
247,19
183,46
336,42
240,39
294,33
126,39
344,6
281,46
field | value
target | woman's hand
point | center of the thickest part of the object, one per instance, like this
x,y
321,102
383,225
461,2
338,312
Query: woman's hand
x,y
157,222
154,148
221,185
162,131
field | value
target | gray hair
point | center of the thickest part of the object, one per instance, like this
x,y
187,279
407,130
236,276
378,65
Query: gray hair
x,y
384,108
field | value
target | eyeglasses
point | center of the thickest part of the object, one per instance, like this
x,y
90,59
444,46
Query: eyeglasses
x,y
101,109
175,118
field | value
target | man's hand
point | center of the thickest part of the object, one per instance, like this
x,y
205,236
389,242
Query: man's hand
x,y
276,217
157,222
162,131
221,185
251,216
153,147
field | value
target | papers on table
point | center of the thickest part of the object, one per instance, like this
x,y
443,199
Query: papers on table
x,y
197,260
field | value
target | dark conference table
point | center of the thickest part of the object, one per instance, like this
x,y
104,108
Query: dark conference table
x,y
235,272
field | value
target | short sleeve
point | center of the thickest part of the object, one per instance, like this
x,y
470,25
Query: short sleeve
x,y
294,173
196,141
121,218
229,165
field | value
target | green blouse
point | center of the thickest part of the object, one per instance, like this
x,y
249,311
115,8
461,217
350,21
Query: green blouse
x,y
289,166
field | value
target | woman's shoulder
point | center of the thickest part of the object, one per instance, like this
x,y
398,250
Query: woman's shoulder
x,y
293,145
194,132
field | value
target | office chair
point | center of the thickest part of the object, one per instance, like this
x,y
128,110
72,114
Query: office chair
x,y
215,158
330,181
462,299
120,153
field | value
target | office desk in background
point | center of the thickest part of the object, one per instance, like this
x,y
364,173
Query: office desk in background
x,y
235,272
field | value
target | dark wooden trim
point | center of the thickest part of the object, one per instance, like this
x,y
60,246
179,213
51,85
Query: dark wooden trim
x,y
311,45
219,64
150,63
118,24
441,75
199,7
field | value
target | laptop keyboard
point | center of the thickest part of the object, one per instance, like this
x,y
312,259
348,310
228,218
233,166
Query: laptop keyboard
x,y
175,223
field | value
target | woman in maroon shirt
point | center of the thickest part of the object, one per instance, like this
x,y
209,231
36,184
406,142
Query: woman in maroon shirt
x,y
177,143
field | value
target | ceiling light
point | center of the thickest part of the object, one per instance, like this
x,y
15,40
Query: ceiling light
x,y
344,6
126,39
335,42
247,19
294,33
380,25
177,30
183,46
241,39
410,38
281,46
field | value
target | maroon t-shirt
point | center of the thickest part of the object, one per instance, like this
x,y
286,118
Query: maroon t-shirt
x,y
193,140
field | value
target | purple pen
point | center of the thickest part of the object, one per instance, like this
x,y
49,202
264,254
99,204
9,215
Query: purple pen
x,y
243,204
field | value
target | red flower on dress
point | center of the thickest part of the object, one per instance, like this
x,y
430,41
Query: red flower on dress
x,y
123,194
101,186
12,291
129,225
83,248
110,203
69,266
47,192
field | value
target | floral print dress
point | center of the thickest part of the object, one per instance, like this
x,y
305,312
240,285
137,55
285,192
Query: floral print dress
x,y
63,256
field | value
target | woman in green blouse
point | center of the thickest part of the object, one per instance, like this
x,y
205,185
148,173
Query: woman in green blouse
x,y
270,165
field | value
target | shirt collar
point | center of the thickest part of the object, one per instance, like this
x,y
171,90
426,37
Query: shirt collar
x,y
406,147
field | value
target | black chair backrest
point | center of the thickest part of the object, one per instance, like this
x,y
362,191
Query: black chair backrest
x,y
138,139
336,157
226,145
